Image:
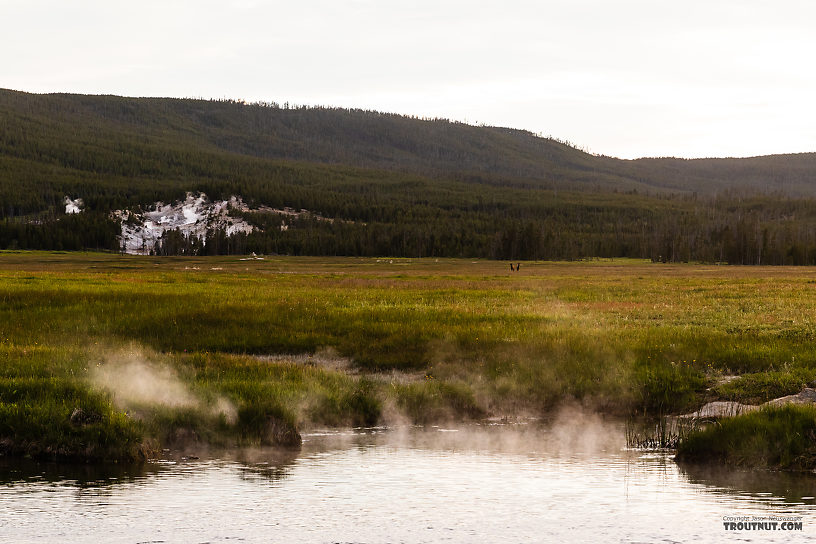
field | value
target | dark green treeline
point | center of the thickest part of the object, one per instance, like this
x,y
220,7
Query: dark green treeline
x,y
758,230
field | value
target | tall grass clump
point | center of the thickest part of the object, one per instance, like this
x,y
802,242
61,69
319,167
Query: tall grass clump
x,y
775,437
267,424
665,387
435,401
49,418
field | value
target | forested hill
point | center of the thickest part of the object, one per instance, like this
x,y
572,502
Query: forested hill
x,y
392,185
368,139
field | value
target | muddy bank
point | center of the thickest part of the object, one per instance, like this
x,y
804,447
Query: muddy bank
x,y
720,409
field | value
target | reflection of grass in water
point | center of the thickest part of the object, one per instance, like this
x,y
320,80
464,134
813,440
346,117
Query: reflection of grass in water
x,y
95,475
467,339
792,485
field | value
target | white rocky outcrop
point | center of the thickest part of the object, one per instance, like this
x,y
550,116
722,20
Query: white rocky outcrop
x,y
194,217
73,206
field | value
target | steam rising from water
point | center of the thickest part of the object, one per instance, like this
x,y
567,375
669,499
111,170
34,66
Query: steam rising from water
x,y
573,432
576,430
136,380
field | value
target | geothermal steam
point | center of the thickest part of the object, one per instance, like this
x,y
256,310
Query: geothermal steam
x,y
136,381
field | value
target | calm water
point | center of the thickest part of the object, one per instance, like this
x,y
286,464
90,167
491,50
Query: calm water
x,y
472,484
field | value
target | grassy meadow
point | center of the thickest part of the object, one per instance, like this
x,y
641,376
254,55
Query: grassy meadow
x,y
109,356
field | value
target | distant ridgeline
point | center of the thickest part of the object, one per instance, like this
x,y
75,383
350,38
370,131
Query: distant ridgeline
x,y
119,174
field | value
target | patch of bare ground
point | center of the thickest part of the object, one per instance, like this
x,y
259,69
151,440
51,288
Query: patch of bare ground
x,y
329,359
719,409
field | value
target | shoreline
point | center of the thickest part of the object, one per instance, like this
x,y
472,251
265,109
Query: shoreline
x,y
106,353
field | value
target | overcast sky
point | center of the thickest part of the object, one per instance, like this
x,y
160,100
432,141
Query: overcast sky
x,y
628,78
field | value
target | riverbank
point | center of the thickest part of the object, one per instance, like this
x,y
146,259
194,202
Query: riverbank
x,y
108,356
779,437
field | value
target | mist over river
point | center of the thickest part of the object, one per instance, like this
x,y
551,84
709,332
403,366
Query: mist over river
x,y
472,483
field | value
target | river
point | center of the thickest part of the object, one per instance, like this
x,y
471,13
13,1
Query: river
x,y
472,483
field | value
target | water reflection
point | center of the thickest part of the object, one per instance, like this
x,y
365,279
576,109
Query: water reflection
x,y
523,483
270,464
764,486
15,470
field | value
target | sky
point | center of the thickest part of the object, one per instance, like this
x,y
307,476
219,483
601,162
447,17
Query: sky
x,y
629,78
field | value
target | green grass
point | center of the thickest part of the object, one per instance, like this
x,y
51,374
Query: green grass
x,y
402,341
783,437
761,387
36,420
